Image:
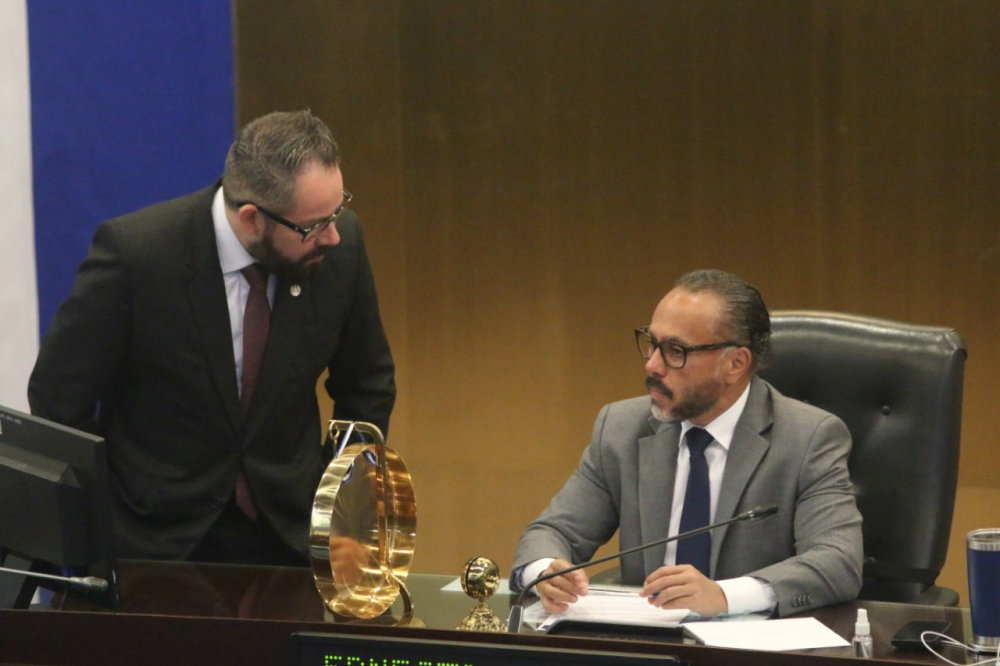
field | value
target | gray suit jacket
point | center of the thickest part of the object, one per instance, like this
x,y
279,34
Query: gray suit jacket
x,y
783,452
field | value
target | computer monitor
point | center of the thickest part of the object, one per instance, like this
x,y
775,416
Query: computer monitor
x,y
55,506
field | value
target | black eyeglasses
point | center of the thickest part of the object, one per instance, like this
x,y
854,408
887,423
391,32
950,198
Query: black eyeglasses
x,y
673,354
312,230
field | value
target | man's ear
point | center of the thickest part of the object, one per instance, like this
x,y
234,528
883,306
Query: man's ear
x,y
740,362
250,221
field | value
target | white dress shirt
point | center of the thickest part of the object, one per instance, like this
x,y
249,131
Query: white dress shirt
x,y
233,257
745,594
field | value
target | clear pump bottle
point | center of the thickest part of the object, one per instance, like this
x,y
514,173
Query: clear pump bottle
x,y
863,646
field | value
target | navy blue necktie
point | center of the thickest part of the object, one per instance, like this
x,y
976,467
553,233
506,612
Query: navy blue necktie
x,y
696,550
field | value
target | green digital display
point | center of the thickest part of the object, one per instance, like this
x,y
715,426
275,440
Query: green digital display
x,y
318,649
340,659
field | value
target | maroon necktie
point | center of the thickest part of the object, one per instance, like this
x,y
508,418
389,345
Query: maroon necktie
x,y
256,325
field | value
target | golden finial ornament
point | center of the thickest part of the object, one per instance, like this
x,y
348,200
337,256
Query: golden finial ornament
x,y
480,579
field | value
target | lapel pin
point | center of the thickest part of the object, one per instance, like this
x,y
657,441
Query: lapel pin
x,y
295,290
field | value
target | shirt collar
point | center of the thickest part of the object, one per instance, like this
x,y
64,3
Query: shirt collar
x,y
232,255
724,425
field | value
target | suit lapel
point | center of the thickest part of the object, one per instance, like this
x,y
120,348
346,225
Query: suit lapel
x,y
288,317
207,297
657,469
745,453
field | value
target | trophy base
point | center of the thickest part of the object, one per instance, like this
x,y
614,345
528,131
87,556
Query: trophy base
x,y
482,618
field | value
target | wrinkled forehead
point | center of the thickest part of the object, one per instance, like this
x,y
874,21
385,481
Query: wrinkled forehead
x,y
689,317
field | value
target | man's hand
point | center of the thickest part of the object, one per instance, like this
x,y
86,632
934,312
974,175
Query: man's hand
x,y
683,586
347,559
557,594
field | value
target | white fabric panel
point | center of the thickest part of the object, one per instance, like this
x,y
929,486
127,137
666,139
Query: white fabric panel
x,y
18,288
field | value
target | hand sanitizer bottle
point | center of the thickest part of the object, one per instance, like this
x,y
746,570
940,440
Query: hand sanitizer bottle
x,y
862,642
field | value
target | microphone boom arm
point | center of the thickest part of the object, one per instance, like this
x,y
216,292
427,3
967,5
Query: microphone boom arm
x,y
86,583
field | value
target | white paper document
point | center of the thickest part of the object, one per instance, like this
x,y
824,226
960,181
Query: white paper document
x,y
775,635
621,606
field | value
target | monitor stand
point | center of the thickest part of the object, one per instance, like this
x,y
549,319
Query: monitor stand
x,y
16,591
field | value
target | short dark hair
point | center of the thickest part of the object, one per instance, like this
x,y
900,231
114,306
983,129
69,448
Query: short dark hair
x,y
745,315
268,154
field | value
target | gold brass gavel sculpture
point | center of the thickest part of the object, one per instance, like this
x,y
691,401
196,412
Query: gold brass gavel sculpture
x,y
363,527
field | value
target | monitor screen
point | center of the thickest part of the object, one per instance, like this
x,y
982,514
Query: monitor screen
x,y
55,503
316,649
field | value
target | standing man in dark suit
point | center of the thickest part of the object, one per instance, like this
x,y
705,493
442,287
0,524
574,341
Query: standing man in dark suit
x,y
193,340
711,440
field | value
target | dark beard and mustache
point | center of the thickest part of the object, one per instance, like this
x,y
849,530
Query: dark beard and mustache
x,y
285,268
693,403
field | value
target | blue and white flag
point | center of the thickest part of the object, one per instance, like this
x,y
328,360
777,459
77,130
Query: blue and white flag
x,y
18,290
105,107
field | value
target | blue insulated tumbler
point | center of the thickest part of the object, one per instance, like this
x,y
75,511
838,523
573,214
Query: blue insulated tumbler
x,y
984,587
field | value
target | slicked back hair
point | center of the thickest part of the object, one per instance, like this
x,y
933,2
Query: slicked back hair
x,y
745,316
269,153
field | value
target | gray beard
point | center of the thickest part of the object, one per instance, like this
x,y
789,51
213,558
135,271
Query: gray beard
x,y
698,400
662,416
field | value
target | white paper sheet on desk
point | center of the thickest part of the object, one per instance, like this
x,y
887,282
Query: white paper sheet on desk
x,y
777,635
619,607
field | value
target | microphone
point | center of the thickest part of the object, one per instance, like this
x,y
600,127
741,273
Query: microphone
x,y
753,515
87,583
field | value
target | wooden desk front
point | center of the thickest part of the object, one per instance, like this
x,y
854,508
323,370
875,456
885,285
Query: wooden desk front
x,y
183,613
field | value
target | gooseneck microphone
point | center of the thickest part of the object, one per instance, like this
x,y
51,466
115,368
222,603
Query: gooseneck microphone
x,y
87,583
753,515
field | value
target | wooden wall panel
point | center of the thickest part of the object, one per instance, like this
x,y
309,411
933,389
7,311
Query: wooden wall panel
x,y
533,175
343,63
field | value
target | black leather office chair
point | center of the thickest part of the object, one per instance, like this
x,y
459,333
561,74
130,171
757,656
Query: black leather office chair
x,y
898,387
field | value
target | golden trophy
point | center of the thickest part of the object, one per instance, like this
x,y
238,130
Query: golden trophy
x,y
480,580
363,528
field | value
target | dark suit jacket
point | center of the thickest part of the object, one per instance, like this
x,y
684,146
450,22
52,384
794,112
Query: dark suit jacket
x,y
783,452
141,353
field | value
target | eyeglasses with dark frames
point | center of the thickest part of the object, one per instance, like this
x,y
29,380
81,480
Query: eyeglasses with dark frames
x,y
312,230
673,354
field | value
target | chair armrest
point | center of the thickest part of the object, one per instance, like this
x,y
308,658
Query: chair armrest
x,y
936,595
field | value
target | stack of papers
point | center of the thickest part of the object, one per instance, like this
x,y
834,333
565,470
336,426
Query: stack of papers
x,y
625,606
776,635
618,606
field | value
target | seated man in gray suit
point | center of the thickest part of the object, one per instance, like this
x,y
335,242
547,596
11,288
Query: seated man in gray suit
x,y
710,441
